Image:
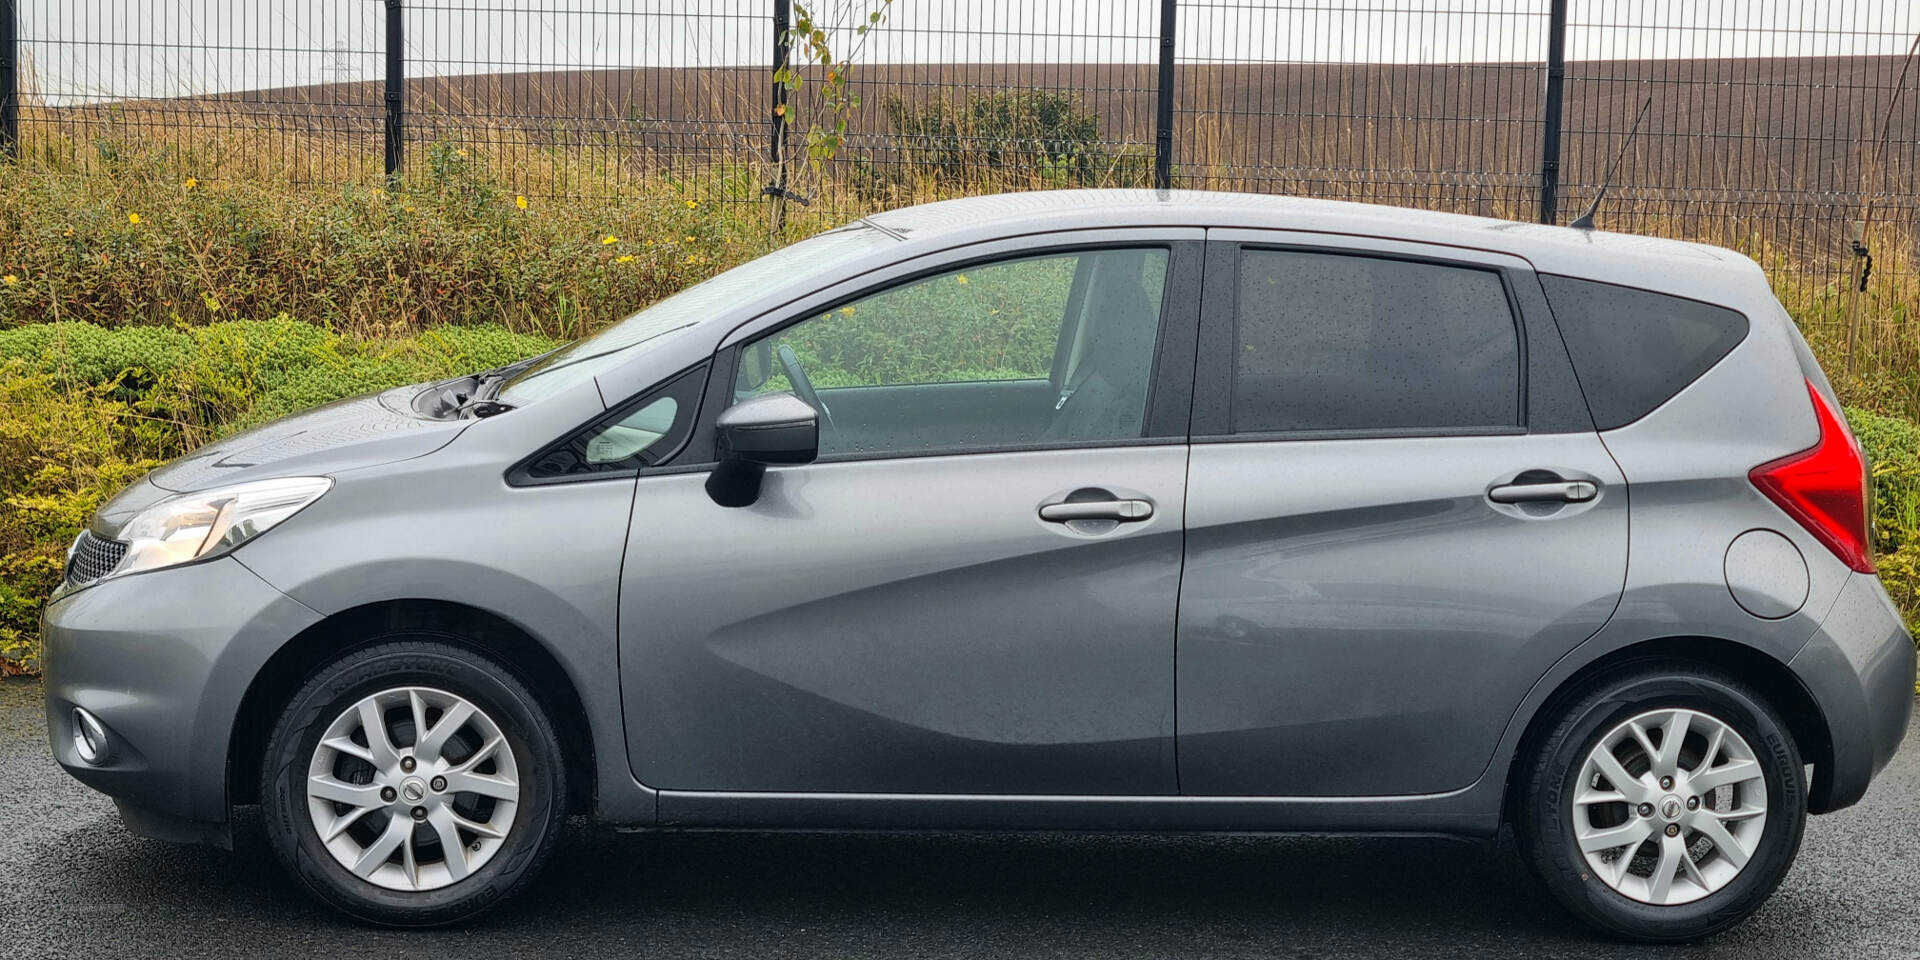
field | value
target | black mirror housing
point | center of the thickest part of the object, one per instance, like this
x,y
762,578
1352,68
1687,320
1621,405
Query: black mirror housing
x,y
778,429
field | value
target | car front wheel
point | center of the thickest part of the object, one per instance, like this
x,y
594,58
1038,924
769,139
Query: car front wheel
x,y
1665,805
413,783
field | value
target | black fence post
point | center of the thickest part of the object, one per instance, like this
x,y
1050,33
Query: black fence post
x,y
1556,103
1163,114
9,80
777,142
395,88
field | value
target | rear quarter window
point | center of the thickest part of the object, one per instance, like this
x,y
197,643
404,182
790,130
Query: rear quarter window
x,y
1633,349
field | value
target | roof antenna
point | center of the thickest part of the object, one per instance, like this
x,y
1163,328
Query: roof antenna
x,y
1585,220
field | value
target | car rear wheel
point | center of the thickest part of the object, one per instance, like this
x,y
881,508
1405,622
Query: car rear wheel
x,y
1666,804
413,783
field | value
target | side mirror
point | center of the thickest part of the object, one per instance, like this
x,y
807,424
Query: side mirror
x,y
769,430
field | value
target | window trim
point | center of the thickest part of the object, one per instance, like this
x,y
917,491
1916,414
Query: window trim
x,y
1169,385
677,385
1217,380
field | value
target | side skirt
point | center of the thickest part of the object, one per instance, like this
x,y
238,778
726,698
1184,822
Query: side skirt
x,y
1464,813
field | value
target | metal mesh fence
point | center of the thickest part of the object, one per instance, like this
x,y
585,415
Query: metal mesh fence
x,y
1431,104
577,97
1003,94
1787,128
302,83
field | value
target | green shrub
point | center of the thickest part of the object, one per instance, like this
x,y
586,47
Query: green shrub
x,y
77,354
1893,446
63,450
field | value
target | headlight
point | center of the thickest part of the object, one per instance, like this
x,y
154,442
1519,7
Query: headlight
x,y
211,522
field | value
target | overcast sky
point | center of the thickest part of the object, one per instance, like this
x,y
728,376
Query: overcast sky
x,y
85,49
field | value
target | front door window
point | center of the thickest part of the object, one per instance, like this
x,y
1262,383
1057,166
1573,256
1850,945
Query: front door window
x,y
1038,350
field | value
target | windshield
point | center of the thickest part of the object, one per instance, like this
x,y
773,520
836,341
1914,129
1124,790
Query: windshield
x,y
585,358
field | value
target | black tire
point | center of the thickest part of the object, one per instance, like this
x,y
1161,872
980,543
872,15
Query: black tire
x,y
414,658
1543,813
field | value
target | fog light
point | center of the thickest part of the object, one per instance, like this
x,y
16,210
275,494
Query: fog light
x,y
89,737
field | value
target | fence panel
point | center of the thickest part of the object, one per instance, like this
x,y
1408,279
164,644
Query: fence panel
x,y
1002,94
1430,103
578,97
227,87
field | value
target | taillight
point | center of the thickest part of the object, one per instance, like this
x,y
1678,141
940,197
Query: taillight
x,y
1824,487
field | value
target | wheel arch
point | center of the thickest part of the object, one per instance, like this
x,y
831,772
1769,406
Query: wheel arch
x,y
461,625
1771,677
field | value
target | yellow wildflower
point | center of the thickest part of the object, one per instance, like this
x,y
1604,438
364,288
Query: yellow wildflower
x,y
460,153
960,277
520,202
689,239
10,280
609,240
847,310
693,258
191,183
133,218
623,258
692,203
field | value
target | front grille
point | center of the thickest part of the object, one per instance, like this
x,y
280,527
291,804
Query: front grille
x,y
92,558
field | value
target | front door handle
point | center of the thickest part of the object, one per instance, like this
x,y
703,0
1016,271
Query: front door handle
x,y
1125,511
1564,491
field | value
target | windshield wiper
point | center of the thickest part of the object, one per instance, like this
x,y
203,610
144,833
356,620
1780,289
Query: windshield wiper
x,y
481,403
478,400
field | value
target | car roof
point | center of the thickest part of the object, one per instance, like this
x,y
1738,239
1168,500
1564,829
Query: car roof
x,y
1688,269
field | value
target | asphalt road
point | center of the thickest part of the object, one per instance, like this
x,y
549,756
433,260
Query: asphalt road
x,y
74,883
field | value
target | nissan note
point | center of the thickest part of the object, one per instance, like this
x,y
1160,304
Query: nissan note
x,y
1125,511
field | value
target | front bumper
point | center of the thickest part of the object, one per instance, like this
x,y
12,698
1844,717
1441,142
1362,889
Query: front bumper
x,y
163,659
1859,667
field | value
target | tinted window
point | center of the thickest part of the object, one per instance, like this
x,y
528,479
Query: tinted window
x,y
1633,350
1035,350
1339,342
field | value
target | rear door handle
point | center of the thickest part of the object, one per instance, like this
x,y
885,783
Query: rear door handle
x,y
1125,511
1565,491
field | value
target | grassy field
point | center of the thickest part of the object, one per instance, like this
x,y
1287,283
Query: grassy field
x,y
154,298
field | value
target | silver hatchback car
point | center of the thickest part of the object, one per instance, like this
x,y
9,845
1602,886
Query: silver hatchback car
x,y
1074,510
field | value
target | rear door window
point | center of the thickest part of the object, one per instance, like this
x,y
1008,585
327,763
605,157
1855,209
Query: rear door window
x,y
1330,342
1634,349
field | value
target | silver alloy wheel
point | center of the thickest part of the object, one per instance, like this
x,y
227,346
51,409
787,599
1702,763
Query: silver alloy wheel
x,y
412,788
1670,806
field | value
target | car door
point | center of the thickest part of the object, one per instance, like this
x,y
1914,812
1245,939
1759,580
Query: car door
x,y
973,589
1399,515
